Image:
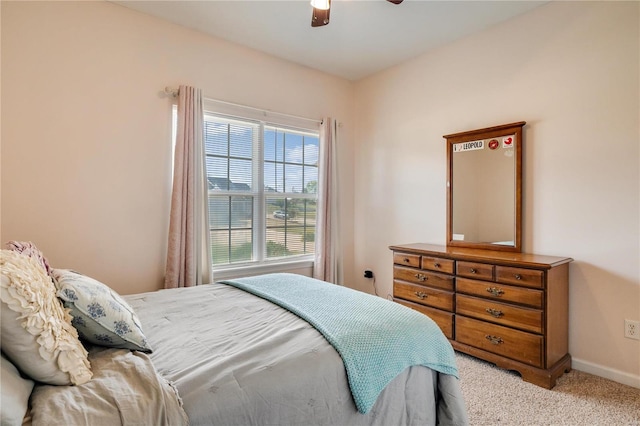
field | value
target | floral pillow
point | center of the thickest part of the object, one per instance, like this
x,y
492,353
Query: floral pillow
x,y
37,335
99,314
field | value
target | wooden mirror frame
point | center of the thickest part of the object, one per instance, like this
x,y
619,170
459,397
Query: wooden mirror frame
x,y
481,134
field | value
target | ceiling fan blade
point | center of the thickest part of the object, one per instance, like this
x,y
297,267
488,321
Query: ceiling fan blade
x,y
320,17
395,1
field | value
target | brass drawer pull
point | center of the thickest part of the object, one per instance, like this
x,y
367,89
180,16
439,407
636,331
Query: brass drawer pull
x,y
436,265
494,312
518,277
421,295
405,260
421,277
473,271
494,339
495,291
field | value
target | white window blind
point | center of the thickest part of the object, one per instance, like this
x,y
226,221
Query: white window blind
x,y
262,173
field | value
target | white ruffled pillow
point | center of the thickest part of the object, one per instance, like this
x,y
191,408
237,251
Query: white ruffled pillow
x,y
37,335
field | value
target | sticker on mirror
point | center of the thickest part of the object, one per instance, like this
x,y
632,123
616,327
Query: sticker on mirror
x,y
507,141
468,146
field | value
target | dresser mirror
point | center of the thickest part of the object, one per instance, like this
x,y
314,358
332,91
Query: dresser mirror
x,y
484,188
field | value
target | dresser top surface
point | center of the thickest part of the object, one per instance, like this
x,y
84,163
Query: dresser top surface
x,y
494,256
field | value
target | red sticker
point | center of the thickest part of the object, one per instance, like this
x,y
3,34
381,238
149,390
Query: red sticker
x,y
493,144
508,141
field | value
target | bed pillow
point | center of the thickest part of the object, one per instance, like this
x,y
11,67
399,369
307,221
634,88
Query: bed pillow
x,y
14,394
30,249
37,335
99,314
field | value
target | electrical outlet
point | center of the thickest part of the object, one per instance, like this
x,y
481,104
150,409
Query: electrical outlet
x,y
632,329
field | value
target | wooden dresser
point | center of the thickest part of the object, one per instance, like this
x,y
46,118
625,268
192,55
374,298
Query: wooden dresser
x,y
507,308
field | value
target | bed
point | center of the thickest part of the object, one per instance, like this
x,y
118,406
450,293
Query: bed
x,y
233,353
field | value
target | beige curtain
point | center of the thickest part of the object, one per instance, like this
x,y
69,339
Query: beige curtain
x,y
188,254
327,265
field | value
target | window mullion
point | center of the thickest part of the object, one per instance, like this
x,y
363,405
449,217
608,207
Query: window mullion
x,y
230,243
229,211
260,225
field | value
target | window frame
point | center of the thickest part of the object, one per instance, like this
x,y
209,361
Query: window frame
x,y
264,119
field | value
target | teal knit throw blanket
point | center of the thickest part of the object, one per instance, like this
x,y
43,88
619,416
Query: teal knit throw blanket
x,y
376,338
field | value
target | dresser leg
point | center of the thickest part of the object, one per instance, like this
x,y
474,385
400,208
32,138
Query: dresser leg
x,y
547,378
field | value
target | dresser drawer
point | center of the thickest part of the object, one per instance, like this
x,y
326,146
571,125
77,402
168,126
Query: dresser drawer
x,y
519,345
418,276
520,276
499,292
513,316
423,295
407,259
479,271
442,318
446,266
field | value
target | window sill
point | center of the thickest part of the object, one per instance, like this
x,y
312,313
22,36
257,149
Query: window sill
x,y
302,266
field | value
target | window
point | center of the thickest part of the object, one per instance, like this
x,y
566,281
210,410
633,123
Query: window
x,y
262,181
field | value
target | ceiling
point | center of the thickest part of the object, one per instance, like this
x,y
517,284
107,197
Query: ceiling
x,y
363,37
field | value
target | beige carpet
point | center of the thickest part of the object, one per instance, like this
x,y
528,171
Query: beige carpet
x,y
499,397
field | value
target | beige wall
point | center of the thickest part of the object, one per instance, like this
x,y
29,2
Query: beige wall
x,y
86,144
86,149
571,70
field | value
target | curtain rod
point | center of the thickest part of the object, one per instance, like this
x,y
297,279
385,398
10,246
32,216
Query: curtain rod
x,y
173,92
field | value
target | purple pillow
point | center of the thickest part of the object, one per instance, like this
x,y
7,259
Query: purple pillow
x,y
29,249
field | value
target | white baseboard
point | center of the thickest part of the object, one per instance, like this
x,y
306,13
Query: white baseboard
x,y
606,372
